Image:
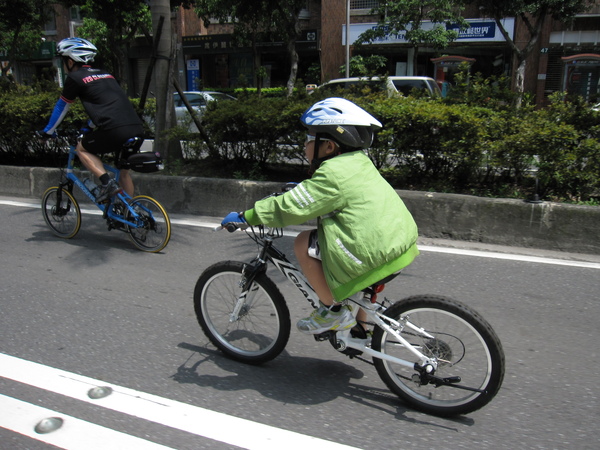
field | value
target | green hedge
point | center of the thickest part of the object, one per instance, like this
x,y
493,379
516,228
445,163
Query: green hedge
x,y
437,145
477,146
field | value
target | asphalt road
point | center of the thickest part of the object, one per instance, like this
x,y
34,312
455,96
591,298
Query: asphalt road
x,y
94,311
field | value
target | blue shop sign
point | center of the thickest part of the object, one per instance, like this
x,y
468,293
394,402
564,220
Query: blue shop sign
x,y
477,30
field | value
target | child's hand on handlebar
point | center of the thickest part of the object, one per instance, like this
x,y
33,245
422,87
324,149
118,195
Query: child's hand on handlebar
x,y
233,221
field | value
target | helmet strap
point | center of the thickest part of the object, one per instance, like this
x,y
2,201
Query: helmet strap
x,y
316,161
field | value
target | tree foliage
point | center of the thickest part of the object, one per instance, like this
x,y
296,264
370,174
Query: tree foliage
x,y
407,17
111,25
259,21
21,24
533,14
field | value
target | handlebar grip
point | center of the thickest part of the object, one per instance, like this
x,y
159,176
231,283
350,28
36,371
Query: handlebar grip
x,y
230,227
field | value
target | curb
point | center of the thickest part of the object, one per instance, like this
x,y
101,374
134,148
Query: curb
x,y
547,225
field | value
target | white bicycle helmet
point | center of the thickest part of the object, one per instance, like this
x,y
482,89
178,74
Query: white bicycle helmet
x,y
342,121
78,49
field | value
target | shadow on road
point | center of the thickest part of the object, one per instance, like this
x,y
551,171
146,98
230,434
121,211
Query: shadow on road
x,y
297,380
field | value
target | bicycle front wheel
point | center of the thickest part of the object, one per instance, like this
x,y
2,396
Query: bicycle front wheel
x,y
252,329
64,217
464,345
152,229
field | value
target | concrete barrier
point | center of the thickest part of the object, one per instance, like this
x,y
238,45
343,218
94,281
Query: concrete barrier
x,y
550,226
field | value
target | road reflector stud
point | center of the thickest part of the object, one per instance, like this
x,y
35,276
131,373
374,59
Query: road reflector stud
x,y
99,392
48,425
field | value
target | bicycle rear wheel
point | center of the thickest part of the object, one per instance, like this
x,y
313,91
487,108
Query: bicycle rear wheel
x,y
260,330
461,341
153,226
64,217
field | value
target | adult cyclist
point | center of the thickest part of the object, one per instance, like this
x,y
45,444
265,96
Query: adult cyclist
x,y
112,117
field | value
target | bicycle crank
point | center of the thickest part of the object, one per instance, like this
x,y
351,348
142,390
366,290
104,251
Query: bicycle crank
x,y
423,378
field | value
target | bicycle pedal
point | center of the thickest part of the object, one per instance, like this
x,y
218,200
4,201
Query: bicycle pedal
x,y
325,336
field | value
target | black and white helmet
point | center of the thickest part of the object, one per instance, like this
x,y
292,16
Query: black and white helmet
x,y
78,49
341,120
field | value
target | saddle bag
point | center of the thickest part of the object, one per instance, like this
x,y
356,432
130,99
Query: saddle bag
x,y
145,162
130,157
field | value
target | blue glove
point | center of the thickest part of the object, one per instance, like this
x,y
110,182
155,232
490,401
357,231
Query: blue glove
x,y
233,221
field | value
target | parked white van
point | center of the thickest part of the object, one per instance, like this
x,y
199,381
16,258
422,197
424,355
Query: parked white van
x,y
393,85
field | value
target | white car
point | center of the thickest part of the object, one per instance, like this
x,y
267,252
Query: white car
x,y
392,84
198,100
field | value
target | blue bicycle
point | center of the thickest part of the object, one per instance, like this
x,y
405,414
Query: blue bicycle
x,y
141,217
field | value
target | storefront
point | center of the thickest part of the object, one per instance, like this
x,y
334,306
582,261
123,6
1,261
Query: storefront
x,y
217,62
37,65
581,76
483,42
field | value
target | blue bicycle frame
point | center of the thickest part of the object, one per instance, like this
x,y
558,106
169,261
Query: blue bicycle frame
x,y
120,198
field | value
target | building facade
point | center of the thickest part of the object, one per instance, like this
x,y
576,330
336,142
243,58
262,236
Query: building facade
x,y
564,58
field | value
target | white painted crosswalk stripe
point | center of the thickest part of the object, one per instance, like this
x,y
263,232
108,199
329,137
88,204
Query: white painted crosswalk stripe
x,y
221,427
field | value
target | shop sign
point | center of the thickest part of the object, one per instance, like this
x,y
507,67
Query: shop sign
x,y
480,31
212,43
477,30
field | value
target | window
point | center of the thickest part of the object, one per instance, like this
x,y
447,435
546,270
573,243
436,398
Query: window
x,y
75,13
364,4
50,26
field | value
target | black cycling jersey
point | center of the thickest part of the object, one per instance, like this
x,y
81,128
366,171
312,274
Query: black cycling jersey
x,y
104,100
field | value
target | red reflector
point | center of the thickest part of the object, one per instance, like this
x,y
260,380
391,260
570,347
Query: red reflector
x,y
379,288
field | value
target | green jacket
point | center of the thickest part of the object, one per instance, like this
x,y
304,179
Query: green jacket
x,y
365,231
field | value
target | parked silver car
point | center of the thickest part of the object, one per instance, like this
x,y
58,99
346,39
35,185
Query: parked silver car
x,y
198,100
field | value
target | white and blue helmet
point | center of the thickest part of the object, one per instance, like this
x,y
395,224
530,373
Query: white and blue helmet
x,y
342,121
78,49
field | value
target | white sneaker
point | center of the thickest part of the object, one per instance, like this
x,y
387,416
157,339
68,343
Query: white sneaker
x,y
323,319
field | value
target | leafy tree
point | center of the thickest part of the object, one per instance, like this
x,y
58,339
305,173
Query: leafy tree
x,y
533,14
365,66
111,25
259,20
407,17
21,23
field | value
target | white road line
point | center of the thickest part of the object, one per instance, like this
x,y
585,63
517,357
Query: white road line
x,y
73,434
425,248
511,257
202,422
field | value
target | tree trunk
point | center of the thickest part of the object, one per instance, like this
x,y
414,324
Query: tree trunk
x,y
293,66
415,61
161,73
520,80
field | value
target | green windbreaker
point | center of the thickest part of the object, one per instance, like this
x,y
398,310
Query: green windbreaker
x,y
365,231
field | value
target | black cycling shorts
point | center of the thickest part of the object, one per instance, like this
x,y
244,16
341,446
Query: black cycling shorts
x,y
99,141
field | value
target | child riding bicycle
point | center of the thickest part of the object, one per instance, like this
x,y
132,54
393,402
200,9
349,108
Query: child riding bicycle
x,y
364,231
111,114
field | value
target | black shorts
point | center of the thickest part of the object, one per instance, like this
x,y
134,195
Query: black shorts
x,y
99,141
314,251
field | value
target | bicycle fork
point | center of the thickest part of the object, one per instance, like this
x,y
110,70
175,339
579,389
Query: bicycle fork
x,y
249,288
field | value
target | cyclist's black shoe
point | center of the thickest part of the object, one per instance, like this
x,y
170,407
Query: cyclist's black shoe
x,y
107,191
